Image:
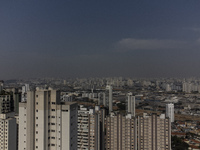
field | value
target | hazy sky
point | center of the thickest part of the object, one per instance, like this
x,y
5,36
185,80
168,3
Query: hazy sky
x,y
89,38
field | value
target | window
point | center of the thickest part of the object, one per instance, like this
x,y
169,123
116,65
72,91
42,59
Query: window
x,y
65,110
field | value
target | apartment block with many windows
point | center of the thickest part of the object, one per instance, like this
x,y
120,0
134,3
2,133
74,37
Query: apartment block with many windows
x,y
46,123
154,132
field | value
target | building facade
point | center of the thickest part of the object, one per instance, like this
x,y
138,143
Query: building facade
x,y
1,85
121,132
8,131
109,98
6,102
46,123
154,132
90,128
130,104
144,132
170,111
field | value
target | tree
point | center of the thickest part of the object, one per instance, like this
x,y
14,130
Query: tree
x,y
178,144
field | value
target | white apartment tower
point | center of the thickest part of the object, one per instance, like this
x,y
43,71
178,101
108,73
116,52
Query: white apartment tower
x,y
8,132
168,88
131,104
47,124
170,111
1,85
109,97
187,87
25,89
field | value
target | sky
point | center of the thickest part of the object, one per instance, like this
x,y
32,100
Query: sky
x,y
88,38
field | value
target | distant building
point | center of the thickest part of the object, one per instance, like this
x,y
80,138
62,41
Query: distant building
x,y
129,82
6,101
101,98
1,85
16,99
10,99
90,95
25,89
189,87
170,111
67,98
64,82
8,125
130,105
109,97
46,123
168,88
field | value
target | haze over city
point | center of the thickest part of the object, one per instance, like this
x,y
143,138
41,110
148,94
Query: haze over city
x,y
79,38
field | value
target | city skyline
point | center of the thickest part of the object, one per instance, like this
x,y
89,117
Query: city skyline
x,y
92,114
106,38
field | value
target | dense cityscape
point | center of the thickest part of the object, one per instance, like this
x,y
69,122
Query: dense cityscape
x,y
99,75
100,113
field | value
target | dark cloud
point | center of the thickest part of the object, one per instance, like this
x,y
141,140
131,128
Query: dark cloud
x,y
75,38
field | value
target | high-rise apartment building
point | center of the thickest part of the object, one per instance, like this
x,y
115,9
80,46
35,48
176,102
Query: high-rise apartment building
x,y
8,131
46,123
168,88
144,132
1,86
90,128
8,125
11,97
25,89
130,104
109,97
187,87
154,132
170,111
101,98
121,132
16,99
